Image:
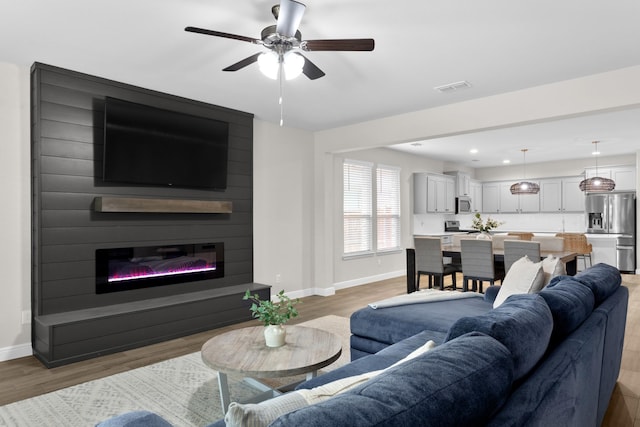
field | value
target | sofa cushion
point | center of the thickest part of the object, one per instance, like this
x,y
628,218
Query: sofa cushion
x,y
524,276
602,279
437,388
371,362
391,325
523,324
570,304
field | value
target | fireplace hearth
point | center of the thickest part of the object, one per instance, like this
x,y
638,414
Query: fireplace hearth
x,y
121,269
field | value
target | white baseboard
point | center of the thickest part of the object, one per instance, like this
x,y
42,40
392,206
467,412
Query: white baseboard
x,y
15,352
369,279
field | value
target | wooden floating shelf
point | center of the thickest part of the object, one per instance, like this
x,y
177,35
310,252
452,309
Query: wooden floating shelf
x,y
134,204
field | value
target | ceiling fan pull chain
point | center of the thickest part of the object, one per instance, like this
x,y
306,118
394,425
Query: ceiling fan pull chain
x,y
280,72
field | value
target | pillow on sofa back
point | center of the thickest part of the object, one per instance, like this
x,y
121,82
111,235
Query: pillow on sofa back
x,y
437,388
570,303
524,276
523,324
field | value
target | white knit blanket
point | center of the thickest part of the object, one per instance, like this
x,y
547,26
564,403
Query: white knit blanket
x,y
423,296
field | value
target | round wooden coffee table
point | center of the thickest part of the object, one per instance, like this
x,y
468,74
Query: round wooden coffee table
x,y
243,352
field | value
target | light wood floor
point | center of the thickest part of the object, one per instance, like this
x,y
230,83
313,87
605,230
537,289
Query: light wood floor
x,y
26,377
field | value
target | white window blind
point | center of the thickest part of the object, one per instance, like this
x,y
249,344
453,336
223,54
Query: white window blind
x,y
387,208
357,207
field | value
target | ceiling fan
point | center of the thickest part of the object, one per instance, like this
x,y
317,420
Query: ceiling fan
x,y
283,40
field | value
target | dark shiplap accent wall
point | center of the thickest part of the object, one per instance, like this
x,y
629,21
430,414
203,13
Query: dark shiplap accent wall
x,y
67,140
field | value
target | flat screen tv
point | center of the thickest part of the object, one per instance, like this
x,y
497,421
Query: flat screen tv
x,y
152,146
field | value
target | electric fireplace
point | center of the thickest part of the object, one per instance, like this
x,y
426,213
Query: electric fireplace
x,y
121,269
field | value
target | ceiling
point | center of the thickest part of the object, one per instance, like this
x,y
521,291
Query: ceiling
x,y
496,45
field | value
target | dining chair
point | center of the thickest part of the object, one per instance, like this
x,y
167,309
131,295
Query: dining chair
x,y
498,240
478,264
578,243
516,249
429,261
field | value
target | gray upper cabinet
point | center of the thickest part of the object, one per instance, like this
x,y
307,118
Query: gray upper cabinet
x,y
497,198
624,176
433,193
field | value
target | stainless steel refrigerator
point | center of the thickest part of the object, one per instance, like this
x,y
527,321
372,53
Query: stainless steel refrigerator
x,y
615,213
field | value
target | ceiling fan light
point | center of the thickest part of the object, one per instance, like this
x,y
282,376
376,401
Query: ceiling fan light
x,y
292,65
269,64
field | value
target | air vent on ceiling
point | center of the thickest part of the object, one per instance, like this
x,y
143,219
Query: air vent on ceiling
x,y
452,87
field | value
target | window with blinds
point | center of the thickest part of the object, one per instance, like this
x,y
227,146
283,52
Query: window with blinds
x,y
371,208
387,208
358,207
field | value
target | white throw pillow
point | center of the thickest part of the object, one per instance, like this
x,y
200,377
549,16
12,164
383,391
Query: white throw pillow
x,y
552,267
264,413
523,277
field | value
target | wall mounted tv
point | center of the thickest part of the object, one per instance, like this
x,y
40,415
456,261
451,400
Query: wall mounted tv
x,y
152,146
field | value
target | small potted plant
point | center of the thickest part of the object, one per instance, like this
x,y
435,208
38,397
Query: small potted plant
x,y
273,315
484,227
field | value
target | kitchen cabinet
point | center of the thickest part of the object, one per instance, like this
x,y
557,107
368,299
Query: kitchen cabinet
x,y
497,198
463,183
419,193
623,176
491,197
440,194
561,195
476,195
433,193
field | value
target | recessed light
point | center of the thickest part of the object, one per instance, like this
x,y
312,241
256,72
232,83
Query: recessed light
x,y
595,153
473,151
506,161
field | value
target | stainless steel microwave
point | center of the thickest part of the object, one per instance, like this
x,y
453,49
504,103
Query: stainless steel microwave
x,y
463,205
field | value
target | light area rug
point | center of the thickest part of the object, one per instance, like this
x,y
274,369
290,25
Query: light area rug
x,y
182,390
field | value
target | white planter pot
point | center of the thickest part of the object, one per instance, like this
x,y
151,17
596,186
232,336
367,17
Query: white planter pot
x,y
274,335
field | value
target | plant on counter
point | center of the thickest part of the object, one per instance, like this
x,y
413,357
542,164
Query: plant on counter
x,y
272,313
485,226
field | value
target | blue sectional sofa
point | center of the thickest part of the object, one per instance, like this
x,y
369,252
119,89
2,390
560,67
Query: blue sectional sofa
x,y
545,359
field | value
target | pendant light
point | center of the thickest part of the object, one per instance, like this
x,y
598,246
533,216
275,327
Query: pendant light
x,y
524,186
597,184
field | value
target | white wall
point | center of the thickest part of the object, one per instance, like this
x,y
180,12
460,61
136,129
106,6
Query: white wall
x,y
283,208
15,216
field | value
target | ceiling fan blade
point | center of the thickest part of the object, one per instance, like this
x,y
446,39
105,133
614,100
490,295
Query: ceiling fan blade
x,y
241,64
289,17
310,69
339,44
220,34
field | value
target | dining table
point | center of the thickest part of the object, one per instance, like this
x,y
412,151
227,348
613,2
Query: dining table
x,y
454,252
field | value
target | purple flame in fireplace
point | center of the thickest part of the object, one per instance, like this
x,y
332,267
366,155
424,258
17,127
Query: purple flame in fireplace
x,y
129,268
